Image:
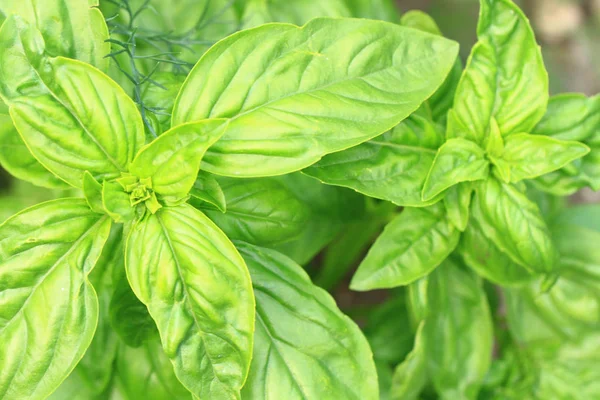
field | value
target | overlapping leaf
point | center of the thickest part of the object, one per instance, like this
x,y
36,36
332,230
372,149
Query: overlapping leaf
x,y
197,289
46,255
291,91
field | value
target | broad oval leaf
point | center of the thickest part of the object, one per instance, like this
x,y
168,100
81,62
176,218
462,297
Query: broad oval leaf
x,y
290,91
198,290
72,117
48,308
485,258
207,189
515,225
410,247
304,347
458,160
572,117
16,158
506,56
173,159
458,332
260,211
391,167
441,101
528,156
82,34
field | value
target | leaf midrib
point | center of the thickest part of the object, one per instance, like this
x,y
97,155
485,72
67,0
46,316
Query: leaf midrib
x,y
53,267
187,296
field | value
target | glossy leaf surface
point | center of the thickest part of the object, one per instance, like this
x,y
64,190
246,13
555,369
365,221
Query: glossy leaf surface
x,y
573,117
67,131
528,156
458,160
259,211
46,255
290,91
485,258
70,28
392,166
197,289
206,188
514,224
172,161
506,56
16,158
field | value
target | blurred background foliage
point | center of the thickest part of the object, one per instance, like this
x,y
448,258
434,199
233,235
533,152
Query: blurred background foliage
x,y
567,30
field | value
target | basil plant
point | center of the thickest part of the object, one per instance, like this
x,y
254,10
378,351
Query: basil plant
x,y
195,314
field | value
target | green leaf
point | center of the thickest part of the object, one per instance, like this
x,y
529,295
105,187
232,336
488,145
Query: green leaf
x,y
485,258
207,189
528,156
410,377
96,367
388,330
290,91
92,377
92,191
72,117
515,225
88,45
172,161
331,207
147,372
572,117
129,317
70,28
304,347
16,158
441,101
391,167
420,20
48,308
457,201
203,306
116,203
417,300
384,10
458,160
259,12
350,245
259,211
504,78
410,247
458,332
